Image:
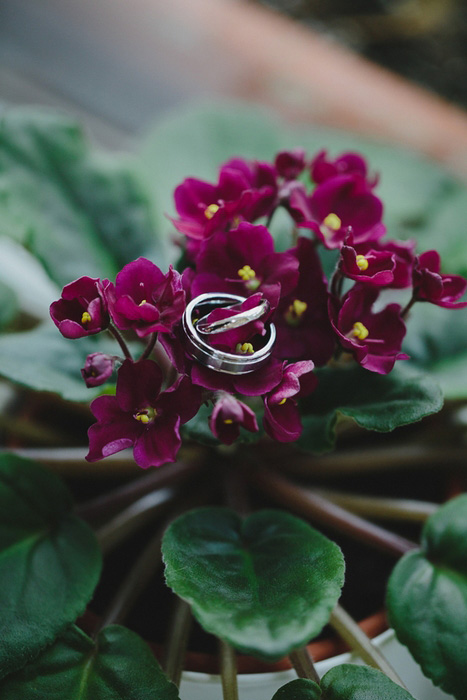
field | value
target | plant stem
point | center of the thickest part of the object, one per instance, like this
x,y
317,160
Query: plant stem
x,y
409,305
108,504
318,508
303,664
134,517
175,648
376,507
119,338
149,347
134,583
228,671
359,642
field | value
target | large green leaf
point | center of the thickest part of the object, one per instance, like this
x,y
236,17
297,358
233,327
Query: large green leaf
x,y
427,598
49,561
79,212
43,360
374,401
8,305
266,584
345,682
117,665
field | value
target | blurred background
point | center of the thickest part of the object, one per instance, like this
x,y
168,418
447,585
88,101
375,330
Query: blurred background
x,y
120,66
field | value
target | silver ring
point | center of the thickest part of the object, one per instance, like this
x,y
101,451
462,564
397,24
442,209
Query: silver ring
x,y
228,324
215,359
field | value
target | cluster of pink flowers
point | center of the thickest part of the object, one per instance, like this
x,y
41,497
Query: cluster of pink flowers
x,y
228,248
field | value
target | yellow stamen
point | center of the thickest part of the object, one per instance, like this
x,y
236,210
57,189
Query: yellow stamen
x,y
211,210
246,273
360,331
295,312
142,417
86,317
281,403
333,222
228,421
362,262
245,349
146,415
142,302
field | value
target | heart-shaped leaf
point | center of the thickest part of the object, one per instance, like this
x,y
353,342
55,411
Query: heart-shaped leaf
x,y
79,212
374,401
49,561
117,665
351,682
345,682
44,360
266,584
427,598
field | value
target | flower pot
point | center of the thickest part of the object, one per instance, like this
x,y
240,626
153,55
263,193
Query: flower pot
x,y
258,686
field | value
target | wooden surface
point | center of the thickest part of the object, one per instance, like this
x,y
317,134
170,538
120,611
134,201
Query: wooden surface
x,y
125,64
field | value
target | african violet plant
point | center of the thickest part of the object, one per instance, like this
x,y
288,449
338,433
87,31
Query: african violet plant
x,y
244,339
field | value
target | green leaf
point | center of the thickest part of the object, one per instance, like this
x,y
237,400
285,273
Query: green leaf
x,y
8,305
49,561
79,212
436,342
43,360
118,665
266,584
427,598
376,402
300,689
351,682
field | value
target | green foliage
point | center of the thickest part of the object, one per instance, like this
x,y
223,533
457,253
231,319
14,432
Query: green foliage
x,y
79,212
266,584
49,561
427,598
374,401
43,360
117,665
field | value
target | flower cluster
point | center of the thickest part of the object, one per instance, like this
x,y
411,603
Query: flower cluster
x,y
228,248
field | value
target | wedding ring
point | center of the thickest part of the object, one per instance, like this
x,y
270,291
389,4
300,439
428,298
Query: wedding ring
x,y
227,324
218,360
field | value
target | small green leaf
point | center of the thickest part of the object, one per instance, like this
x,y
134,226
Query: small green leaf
x,y
374,401
300,689
266,584
79,212
43,360
49,561
118,665
427,598
351,682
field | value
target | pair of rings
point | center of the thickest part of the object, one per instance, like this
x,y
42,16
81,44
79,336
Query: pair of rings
x,y
198,330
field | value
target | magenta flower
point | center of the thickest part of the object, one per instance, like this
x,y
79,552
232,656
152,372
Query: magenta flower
x,y
301,319
97,369
81,310
403,256
323,168
242,261
340,205
430,285
146,300
282,416
374,339
289,164
141,416
244,191
374,267
228,416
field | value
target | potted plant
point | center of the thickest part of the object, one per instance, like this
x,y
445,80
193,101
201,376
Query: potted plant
x,y
284,318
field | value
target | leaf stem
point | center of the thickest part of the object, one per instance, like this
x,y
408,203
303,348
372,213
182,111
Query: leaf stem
x,y
303,664
228,671
376,507
318,508
360,643
177,641
119,338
